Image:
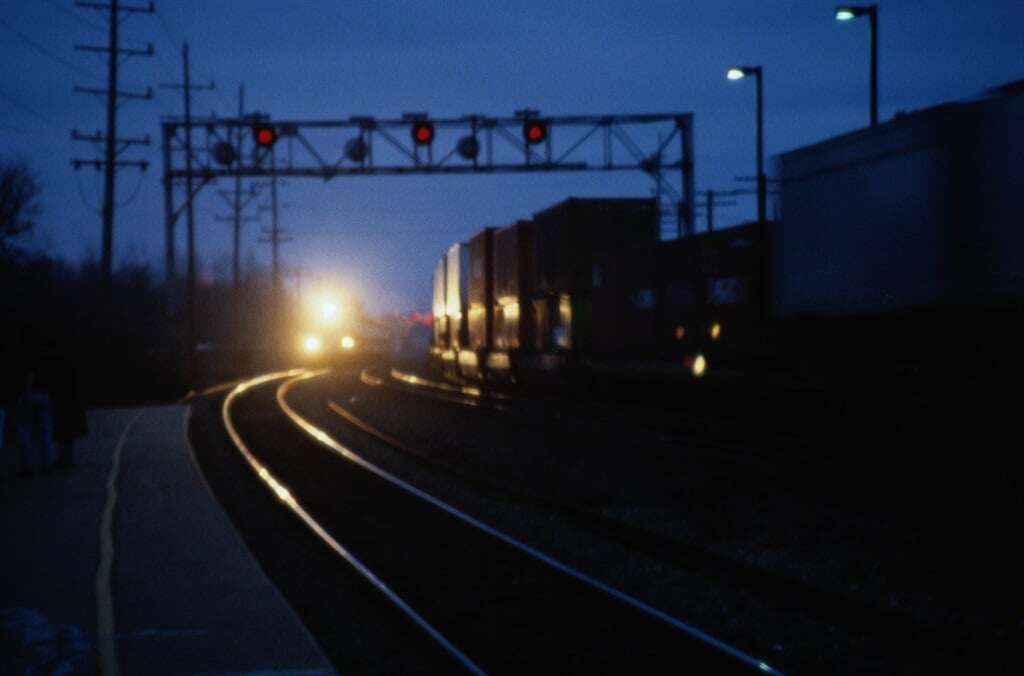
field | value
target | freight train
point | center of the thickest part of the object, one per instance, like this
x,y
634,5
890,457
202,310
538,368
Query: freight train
x,y
899,251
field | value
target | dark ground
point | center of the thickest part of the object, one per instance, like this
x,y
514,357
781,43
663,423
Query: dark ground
x,y
807,531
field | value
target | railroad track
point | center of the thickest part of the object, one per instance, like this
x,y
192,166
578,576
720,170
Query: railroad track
x,y
488,601
827,606
745,452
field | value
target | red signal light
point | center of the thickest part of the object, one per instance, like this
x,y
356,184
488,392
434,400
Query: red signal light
x,y
535,131
422,133
265,135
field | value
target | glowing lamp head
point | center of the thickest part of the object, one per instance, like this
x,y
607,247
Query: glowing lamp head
x,y
715,331
700,365
328,311
736,73
311,344
845,14
264,135
422,133
347,342
535,131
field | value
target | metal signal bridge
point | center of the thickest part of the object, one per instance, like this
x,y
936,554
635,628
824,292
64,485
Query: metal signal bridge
x,y
249,147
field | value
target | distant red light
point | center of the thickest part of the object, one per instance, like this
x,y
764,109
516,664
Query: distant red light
x,y
535,132
265,136
423,133
422,318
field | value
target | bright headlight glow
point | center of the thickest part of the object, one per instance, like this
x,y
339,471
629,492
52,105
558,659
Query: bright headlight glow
x,y
328,311
347,342
700,365
311,344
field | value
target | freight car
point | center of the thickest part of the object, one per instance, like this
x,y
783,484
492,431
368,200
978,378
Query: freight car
x,y
900,249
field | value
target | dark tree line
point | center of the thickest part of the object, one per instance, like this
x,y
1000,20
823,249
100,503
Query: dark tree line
x,y
128,349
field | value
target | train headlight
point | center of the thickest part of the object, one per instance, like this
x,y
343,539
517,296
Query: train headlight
x,y
328,312
311,344
700,365
347,342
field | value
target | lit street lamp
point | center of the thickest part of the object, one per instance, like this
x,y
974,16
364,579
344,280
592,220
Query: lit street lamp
x,y
850,12
738,73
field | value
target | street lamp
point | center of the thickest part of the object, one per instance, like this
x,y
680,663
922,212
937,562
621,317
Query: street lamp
x,y
849,13
738,73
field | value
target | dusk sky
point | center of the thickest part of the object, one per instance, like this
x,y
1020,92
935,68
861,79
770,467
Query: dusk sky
x,y
379,237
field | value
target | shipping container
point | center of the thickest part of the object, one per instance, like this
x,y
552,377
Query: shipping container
x,y
457,295
640,303
567,235
481,293
440,315
608,302
923,211
513,277
577,271
712,290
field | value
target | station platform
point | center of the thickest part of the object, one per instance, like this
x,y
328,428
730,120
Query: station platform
x,y
125,563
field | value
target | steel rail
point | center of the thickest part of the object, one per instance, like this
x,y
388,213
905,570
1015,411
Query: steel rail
x,y
473,397
325,439
471,390
285,496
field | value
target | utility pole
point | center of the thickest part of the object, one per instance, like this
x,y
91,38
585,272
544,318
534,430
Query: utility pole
x,y
237,206
275,229
190,289
238,211
873,15
762,184
113,145
712,200
275,239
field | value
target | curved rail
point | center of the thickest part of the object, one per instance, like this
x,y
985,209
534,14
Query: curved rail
x,y
286,497
322,437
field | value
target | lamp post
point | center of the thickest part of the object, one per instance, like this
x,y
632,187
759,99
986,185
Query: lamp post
x,y
738,73
849,13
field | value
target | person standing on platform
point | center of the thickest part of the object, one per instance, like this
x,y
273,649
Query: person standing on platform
x,y
69,420
33,427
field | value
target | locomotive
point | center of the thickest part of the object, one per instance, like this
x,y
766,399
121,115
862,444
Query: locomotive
x,y
898,252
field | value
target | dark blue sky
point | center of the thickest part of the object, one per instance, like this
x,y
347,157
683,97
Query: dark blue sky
x,y
379,237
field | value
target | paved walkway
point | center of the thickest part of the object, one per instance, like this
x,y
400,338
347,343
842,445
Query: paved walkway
x,y
126,564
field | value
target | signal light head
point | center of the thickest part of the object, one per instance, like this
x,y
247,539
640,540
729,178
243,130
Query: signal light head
x,y
264,134
356,149
422,133
535,131
468,147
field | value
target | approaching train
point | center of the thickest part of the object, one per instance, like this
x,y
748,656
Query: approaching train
x,y
899,251
330,329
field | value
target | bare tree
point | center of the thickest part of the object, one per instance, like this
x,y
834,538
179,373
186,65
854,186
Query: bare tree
x,y
19,201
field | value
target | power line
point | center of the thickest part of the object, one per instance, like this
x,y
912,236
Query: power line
x,y
82,20
134,194
173,43
81,194
114,146
30,111
46,52
16,130
163,25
